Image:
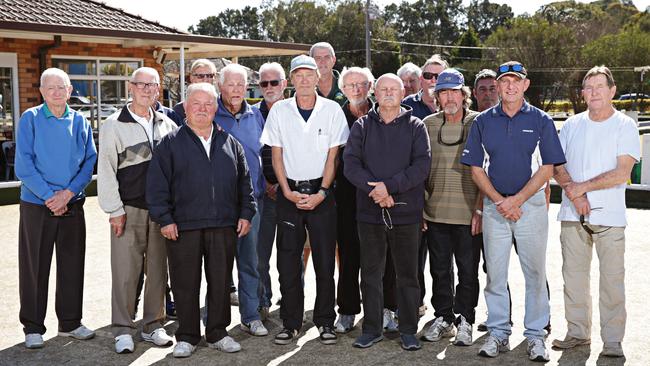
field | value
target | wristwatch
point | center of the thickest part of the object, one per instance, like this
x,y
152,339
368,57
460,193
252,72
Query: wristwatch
x,y
324,191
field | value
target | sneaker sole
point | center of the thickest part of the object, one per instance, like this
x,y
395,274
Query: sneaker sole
x,y
124,351
328,341
485,354
411,348
539,358
150,340
369,344
34,346
70,335
462,343
425,338
248,330
283,342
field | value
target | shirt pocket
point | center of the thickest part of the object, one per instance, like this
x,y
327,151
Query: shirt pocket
x,y
323,142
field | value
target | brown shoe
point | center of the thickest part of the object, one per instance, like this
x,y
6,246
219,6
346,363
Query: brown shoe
x,y
570,342
612,349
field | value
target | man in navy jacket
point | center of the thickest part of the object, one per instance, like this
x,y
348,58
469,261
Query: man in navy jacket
x,y
199,191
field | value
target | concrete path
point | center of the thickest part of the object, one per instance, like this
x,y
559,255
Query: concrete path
x,y
308,351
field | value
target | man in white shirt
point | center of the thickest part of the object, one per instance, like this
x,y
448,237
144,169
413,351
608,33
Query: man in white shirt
x,y
601,146
305,133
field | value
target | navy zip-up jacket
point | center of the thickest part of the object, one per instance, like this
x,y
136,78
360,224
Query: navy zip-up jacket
x,y
193,191
397,154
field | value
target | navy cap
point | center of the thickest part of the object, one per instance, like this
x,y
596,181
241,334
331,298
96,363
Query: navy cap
x,y
512,68
450,79
303,62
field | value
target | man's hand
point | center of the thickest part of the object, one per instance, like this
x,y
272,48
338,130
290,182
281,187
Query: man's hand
x,y
425,227
243,227
60,199
477,223
117,224
387,202
509,208
272,191
310,202
574,190
169,232
295,197
378,193
582,205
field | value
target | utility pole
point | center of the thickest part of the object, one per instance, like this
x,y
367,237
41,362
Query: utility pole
x,y
368,34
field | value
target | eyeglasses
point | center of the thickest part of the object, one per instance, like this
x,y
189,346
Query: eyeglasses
x,y
52,88
141,85
204,76
507,68
266,83
589,230
352,86
429,75
385,215
460,140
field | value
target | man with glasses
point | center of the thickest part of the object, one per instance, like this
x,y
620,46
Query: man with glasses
x,y
452,213
601,146
201,71
272,84
305,133
424,101
55,155
512,149
328,83
126,143
387,158
245,124
410,74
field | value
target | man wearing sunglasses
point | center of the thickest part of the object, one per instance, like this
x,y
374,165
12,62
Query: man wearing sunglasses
x,y
423,102
452,213
201,71
601,146
512,149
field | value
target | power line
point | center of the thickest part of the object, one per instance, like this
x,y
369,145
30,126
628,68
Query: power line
x,y
438,45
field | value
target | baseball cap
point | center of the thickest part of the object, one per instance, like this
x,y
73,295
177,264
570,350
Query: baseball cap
x,y
512,68
450,79
485,74
303,62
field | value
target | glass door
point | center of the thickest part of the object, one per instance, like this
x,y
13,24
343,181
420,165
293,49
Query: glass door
x,y
8,113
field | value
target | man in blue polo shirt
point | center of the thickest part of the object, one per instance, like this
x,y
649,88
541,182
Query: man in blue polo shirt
x,y
512,149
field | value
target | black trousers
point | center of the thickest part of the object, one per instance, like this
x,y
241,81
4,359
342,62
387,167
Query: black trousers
x,y
403,241
348,297
448,242
423,250
321,223
38,233
216,247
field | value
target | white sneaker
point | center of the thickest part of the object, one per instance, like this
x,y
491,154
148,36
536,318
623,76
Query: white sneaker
x,y
493,346
158,337
226,344
390,321
183,349
33,340
81,333
256,328
438,330
124,344
344,324
464,335
537,350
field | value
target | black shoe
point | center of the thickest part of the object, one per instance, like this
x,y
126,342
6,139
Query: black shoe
x,y
285,336
367,340
410,342
327,335
482,327
170,308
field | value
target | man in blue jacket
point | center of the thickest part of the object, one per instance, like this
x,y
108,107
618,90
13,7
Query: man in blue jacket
x,y
55,155
245,124
387,158
199,191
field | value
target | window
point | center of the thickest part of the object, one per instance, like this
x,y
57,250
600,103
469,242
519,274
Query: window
x,y
100,85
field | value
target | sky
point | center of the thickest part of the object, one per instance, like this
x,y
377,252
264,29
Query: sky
x,y
169,13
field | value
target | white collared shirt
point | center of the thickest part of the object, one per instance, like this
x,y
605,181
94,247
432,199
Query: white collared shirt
x,y
207,142
146,123
305,145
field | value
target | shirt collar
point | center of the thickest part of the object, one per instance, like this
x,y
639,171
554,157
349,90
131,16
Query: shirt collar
x,y
49,114
498,110
138,118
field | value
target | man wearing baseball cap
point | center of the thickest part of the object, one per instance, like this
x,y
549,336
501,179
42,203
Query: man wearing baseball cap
x,y
452,213
305,133
520,146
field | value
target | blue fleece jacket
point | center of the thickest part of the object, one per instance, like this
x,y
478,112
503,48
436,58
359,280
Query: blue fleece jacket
x,y
53,154
247,129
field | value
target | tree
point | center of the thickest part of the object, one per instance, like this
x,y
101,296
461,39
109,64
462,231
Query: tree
x,y
231,23
484,17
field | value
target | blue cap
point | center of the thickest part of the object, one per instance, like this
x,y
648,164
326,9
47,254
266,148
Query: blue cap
x,y
303,62
450,79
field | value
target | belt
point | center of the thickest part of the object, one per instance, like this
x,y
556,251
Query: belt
x,y
310,186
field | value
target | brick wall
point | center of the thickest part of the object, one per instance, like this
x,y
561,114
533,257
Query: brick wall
x,y
28,61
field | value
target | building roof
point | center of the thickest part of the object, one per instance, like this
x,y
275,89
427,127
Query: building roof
x,y
77,13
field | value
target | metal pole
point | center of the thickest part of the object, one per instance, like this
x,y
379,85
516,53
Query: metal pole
x,y
181,72
368,34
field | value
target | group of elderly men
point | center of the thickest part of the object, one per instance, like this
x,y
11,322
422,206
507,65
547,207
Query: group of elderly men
x,y
412,172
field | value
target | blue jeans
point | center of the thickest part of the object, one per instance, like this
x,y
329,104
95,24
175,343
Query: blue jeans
x,y
265,242
531,233
249,278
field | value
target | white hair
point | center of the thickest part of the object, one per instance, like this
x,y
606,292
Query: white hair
x,y
146,70
409,68
233,69
203,62
390,76
273,66
436,60
53,71
324,45
203,87
355,70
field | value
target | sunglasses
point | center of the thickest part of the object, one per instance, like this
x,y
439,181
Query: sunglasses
x,y
203,76
589,230
266,83
507,68
429,75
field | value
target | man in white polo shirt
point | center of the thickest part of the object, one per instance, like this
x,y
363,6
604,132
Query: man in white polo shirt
x,y
305,133
601,146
